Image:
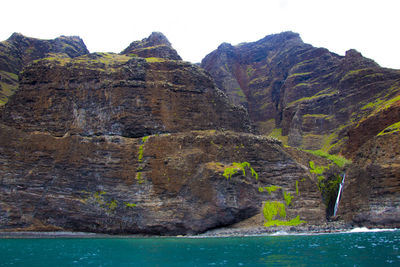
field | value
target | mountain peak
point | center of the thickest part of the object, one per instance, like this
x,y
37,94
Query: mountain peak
x,y
157,38
156,45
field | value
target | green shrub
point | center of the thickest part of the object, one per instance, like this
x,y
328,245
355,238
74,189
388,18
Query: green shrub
x,y
269,189
272,208
293,222
338,160
317,169
236,167
129,205
288,198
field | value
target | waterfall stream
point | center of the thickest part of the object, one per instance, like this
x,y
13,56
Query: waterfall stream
x,y
339,194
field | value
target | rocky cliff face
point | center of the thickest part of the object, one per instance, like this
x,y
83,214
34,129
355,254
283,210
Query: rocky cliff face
x,y
114,94
117,143
166,184
371,194
142,142
307,96
18,51
313,99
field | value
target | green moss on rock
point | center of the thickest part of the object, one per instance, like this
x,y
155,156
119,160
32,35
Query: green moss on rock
x,y
395,127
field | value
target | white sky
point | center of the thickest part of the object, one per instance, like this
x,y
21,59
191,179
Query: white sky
x,y
195,28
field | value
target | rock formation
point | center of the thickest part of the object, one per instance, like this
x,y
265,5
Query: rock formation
x,y
314,99
110,94
371,196
156,45
142,142
307,96
120,143
18,50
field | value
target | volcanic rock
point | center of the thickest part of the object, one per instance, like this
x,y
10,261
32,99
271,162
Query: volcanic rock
x,y
102,184
306,96
18,51
110,94
371,195
156,45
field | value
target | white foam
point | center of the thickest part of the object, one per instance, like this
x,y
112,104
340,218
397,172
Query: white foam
x,y
367,230
281,233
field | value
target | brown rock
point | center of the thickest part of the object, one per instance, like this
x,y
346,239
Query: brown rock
x,y
18,51
110,94
102,184
311,95
371,196
156,45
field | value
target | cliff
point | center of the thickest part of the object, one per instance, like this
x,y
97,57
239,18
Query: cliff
x,y
121,143
18,51
313,99
113,94
371,194
142,142
306,96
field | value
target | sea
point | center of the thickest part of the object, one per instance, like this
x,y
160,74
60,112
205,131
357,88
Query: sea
x,y
359,247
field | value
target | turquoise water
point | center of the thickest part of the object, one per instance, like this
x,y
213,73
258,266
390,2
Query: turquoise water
x,y
347,249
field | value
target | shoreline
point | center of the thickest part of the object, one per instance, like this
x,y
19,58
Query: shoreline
x,y
215,233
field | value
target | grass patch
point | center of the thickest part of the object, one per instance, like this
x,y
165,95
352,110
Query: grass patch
x,y
273,208
338,160
299,74
395,127
269,189
374,104
317,169
277,134
236,167
288,198
129,205
154,59
316,116
316,96
293,222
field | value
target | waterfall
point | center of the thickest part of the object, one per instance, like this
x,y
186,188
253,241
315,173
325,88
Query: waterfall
x,y
338,195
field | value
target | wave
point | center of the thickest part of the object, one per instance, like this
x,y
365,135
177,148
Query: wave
x,y
368,230
281,233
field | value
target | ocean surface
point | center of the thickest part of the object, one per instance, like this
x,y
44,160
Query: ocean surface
x,y
356,248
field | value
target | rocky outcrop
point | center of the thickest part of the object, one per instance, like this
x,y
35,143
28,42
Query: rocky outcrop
x,y
371,196
306,96
156,45
18,51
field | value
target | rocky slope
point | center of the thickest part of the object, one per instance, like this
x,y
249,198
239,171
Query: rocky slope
x,y
306,96
18,51
117,143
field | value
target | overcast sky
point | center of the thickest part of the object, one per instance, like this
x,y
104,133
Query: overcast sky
x,y
195,28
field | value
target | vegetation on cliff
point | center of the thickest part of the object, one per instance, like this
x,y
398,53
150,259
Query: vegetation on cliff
x,y
140,142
